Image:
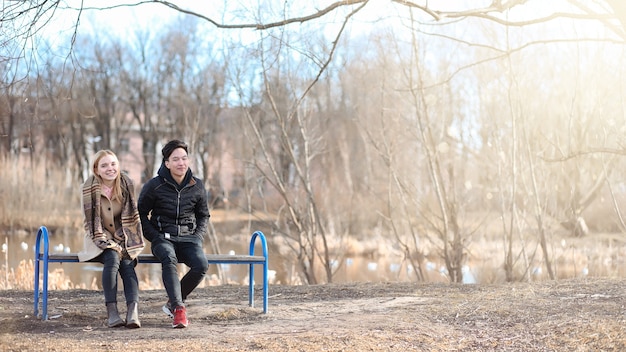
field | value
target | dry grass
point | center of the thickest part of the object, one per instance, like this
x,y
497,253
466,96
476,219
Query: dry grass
x,y
37,193
22,278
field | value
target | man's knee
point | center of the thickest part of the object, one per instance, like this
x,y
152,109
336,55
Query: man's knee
x,y
200,264
204,266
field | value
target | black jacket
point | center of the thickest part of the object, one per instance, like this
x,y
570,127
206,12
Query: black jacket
x,y
167,207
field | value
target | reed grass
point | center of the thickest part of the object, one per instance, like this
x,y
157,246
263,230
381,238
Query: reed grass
x,y
34,192
22,278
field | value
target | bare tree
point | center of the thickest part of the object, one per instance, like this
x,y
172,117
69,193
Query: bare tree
x,y
407,139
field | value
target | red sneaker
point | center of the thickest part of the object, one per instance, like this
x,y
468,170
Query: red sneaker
x,y
180,318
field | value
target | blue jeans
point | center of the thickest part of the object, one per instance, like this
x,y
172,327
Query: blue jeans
x,y
126,268
180,249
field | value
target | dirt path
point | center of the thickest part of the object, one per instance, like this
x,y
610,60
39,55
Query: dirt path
x,y
573,315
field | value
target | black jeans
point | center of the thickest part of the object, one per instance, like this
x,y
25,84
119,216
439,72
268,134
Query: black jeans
x,y
180,249
126,268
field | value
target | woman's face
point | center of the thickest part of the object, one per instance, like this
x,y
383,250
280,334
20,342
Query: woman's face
x,y
108,168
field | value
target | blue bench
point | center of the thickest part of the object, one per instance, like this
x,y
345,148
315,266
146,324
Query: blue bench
x,y
45,257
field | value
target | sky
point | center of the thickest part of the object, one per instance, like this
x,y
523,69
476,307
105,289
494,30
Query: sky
x,y
124,20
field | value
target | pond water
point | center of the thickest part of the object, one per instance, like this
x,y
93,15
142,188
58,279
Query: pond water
x,y
20,247
606,260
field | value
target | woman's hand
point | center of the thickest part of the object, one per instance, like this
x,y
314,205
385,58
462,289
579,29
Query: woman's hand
x,y
106,244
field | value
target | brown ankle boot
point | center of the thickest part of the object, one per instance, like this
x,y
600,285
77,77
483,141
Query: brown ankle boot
x,y
132,316
113,316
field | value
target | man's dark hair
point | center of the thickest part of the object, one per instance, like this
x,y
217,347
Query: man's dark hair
x,y
171,146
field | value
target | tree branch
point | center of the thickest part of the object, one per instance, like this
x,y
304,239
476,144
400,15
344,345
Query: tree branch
x,y
261,26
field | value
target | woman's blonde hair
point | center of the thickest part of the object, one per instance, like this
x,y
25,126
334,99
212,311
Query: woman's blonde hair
x,y
117,183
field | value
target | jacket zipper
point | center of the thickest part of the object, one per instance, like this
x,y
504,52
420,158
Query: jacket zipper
x,y
178,192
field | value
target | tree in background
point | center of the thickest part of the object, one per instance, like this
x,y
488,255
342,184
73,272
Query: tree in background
x,y
419,137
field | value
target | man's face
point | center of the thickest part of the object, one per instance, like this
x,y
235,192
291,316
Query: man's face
x,y
178,163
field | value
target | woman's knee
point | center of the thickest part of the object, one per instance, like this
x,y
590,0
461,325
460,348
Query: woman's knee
x,y
127,267
110,258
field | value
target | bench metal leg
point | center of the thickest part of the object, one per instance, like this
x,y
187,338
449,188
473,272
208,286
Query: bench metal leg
x,y
42,235
44,296
265,286
261,237
36,283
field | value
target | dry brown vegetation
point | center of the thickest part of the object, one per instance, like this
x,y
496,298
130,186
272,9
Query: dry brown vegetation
x,y
569,315
396,143
37,193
